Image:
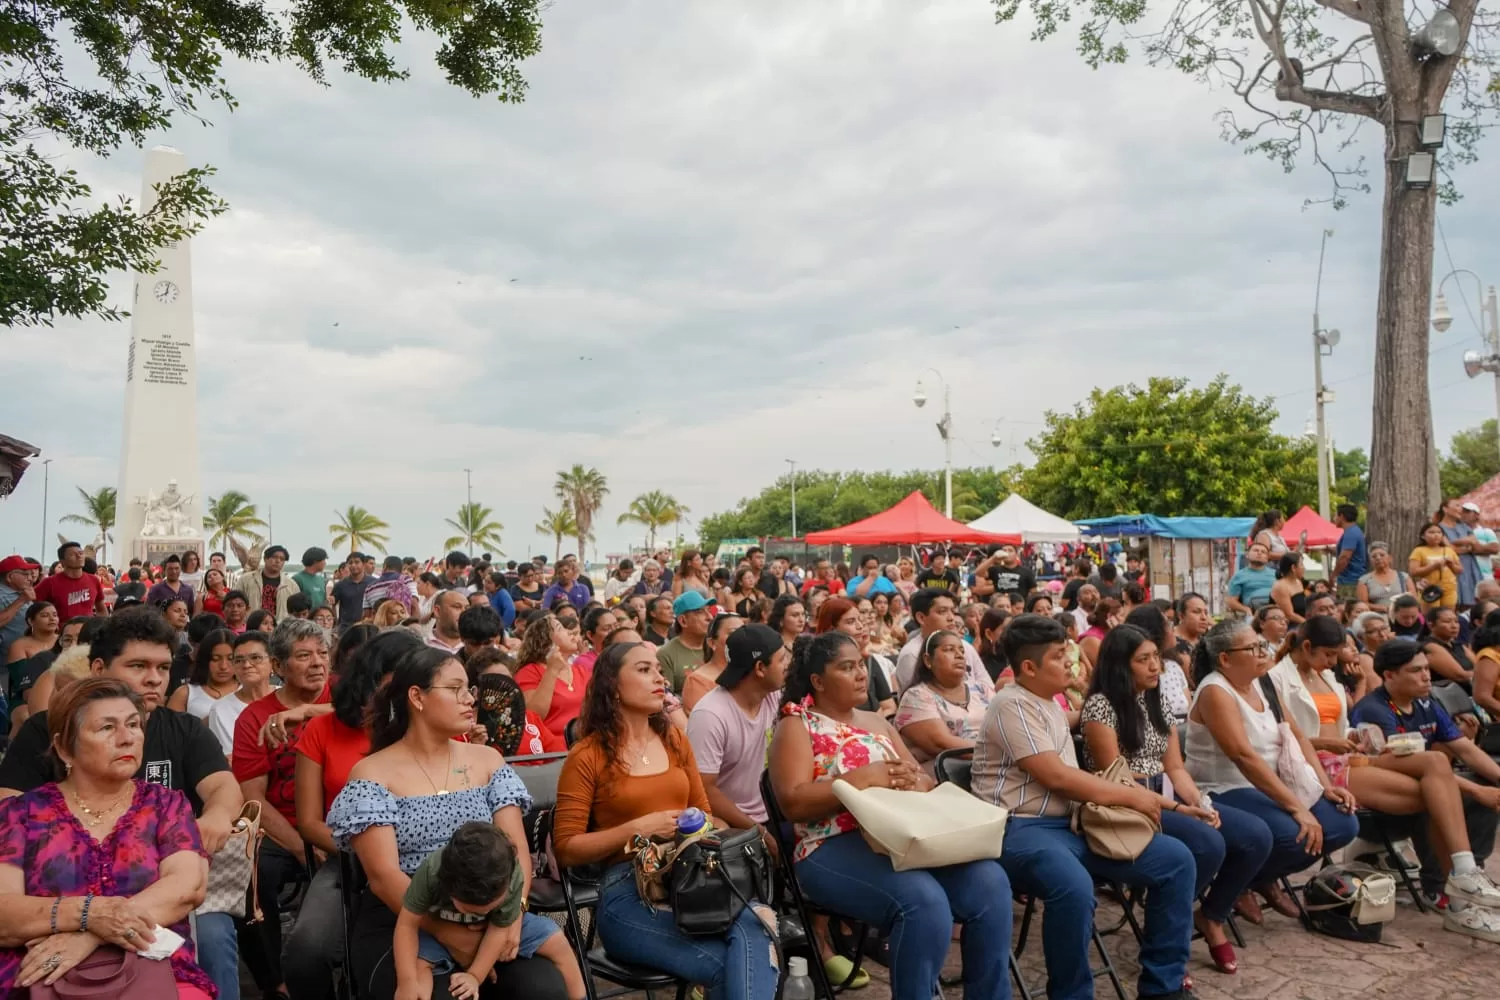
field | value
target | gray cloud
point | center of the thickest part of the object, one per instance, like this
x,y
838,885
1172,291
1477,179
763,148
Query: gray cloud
x,y
737,235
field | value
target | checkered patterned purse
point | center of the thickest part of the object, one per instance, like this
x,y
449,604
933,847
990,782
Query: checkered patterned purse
x,y
232,873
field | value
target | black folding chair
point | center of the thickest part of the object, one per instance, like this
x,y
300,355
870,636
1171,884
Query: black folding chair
x,y
957,766
594,961
351,884
1380,824
804,910
539,773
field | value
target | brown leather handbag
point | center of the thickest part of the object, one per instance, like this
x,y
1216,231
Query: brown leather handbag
x,y
112,973
1115,832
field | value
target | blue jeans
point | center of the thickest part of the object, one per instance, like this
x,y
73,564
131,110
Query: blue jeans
x,y
219,952
1287,856
917,909
744,964
1227,859
535,930
1047,860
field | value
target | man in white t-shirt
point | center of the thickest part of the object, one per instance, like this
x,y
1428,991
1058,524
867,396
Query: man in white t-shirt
x,y
730,726
1488,542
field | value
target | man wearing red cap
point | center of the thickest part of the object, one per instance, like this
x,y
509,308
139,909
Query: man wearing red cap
x,y
16,594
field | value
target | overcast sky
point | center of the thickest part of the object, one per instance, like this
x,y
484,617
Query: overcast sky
x,y
710,241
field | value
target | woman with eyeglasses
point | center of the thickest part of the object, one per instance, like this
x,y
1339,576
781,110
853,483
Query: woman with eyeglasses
x,y
404,801
1234,743
252,671
553,682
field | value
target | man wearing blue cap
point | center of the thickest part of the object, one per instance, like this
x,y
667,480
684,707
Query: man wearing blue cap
x,y
685,652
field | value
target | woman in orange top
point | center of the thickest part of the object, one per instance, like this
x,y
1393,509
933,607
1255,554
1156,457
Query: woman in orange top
x,y
1487,668
632,774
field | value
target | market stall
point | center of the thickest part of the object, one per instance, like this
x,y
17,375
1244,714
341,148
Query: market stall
x,y
1184,554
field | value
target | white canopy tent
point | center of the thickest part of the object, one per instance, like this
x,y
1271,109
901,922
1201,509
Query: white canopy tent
x,y
1017,515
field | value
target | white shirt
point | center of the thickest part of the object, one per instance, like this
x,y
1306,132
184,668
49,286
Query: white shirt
x,y
221,719
1298,702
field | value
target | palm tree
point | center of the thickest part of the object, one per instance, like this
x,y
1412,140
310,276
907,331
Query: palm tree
x,y
360,529
475,528
100,507
654,510
584,491
559,524
966,505
229,517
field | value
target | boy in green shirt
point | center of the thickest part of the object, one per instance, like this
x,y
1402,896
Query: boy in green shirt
x,y
474,879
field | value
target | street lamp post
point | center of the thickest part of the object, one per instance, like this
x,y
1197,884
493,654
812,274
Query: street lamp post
x,y
1324,341
46,484
1489,318
469,507
793,463
944,427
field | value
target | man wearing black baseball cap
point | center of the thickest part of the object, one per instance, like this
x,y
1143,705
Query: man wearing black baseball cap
x,y
729,726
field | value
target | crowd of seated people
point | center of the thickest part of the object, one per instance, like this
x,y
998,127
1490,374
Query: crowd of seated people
x,y
393,747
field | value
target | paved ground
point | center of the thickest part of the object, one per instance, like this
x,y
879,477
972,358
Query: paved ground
x,y
1281,961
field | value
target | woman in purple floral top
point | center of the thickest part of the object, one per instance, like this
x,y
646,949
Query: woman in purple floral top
x,y
97,859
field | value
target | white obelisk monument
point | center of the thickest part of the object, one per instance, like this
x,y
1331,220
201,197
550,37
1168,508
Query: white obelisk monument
x,y
160,504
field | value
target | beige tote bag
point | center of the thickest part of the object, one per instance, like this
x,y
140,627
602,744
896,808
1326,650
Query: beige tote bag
x,y
946,826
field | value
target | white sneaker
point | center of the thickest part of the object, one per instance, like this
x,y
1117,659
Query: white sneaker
x,y
1474,887
1474,921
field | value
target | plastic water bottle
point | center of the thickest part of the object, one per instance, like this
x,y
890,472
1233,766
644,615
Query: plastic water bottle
x,y
797,986
689,822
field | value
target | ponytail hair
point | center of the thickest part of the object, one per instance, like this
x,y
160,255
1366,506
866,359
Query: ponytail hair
x,y
811,655
390,711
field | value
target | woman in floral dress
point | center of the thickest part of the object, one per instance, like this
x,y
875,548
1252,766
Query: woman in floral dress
x,y
824,736
97,859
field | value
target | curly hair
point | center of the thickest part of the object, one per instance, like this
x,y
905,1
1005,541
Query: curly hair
x,y
599,718
811,655
536,642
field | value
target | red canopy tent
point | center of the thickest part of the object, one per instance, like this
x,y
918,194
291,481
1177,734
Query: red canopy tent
x,y
912,521
1320,533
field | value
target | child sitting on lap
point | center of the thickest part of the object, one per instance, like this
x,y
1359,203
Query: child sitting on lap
x,y
474,879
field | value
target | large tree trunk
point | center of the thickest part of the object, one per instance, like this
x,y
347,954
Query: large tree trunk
x,y
1402,446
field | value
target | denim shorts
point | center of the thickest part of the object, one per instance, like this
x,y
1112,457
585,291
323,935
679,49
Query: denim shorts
x,y
535,931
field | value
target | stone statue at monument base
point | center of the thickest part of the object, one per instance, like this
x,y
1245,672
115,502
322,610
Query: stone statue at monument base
x,y
168,515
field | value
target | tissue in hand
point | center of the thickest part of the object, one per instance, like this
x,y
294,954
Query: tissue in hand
x,y
167,941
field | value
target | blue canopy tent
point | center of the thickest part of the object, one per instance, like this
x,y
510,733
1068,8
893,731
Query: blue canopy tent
x,y
1184,554
1130,525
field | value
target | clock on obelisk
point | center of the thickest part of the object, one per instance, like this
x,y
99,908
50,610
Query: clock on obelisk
x,y
160,503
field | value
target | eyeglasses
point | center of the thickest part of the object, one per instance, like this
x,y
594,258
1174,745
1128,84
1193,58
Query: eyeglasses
x,y
459,690
252,658
1261,648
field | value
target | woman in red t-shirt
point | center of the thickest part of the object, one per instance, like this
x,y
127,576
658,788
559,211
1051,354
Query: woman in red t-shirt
x,y
211,597
329,747
553,683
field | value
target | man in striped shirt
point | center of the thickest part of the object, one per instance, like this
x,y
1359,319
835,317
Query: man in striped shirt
x,y
1024,760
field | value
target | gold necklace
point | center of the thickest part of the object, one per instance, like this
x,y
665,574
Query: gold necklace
x,y
421,767
645,749
92,817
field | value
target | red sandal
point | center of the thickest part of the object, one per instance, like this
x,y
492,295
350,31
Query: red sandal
x,y
1223,955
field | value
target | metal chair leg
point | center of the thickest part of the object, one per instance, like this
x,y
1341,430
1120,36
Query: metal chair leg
x,y
1022,989
1109,965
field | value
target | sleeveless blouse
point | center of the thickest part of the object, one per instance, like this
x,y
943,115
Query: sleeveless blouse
x,y
40,835
1210,767
837,749
422,823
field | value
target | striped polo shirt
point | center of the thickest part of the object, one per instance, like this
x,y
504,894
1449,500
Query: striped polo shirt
x,y
1017,725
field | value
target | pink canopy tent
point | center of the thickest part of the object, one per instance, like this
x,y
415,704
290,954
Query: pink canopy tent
x,y
1320,533
911,522
1487,497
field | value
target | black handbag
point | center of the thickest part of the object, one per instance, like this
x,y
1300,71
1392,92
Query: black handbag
x,y
713,878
